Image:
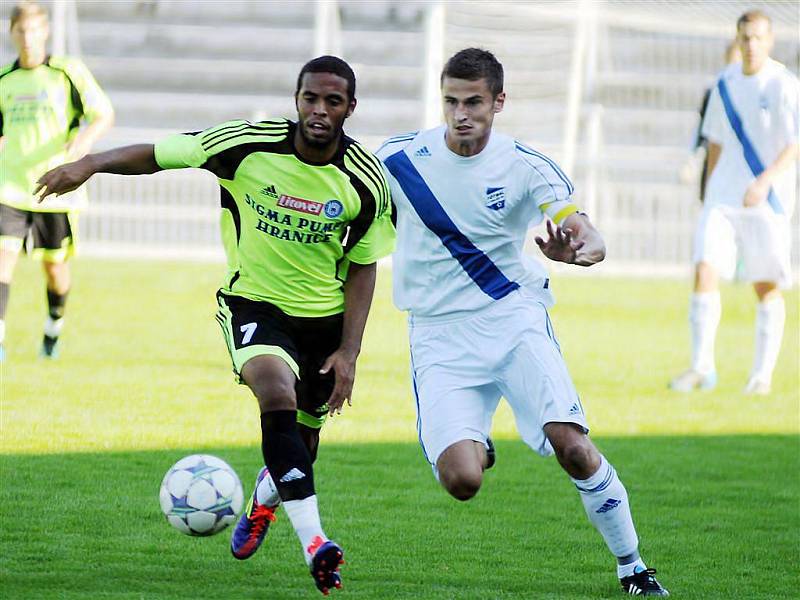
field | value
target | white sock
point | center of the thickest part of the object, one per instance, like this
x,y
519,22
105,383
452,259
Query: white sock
x,y
606,503
770,318
705,310
53,327
628,569
267,493
2,330
304,516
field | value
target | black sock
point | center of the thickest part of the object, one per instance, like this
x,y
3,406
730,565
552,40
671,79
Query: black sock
x,y
5,288
56,303
285,455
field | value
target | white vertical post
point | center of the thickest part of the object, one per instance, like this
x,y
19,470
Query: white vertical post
x,y
594,139
327,29
434,61
73,35
58,27
585,19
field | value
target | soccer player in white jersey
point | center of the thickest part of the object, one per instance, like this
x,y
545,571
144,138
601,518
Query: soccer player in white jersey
x,y
478,322
752,127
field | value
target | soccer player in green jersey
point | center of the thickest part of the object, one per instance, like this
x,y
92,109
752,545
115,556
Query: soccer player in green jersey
x,y
306,214
43,100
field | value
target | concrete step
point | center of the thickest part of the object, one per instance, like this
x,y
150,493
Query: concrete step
x,y
381,14
240,76
242,42
191,112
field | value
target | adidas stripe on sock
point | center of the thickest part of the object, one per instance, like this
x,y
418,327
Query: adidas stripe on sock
x,y
606,502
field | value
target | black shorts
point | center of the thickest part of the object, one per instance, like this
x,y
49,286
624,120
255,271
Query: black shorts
x,y
257,328
49,235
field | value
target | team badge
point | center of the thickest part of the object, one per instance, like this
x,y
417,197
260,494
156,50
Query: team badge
x,y
333,208
495,198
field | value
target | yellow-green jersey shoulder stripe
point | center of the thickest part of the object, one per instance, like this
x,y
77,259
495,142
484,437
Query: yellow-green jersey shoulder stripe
x,y
235,133
368,168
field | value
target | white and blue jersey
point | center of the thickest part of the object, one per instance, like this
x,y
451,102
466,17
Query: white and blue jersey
x,y
754,118
462,221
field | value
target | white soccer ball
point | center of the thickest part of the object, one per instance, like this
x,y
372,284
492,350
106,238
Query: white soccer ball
x,y
201,495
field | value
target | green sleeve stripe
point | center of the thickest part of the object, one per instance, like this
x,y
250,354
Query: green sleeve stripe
x,y
221,126
376,178
232,131
378,169
373,161
310,420
245,138
372,164
364,168
366,181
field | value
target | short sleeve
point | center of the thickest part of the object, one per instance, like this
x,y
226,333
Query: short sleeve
x,y
790,110
546,185
714,121
179,151
377,242
94,100
372,233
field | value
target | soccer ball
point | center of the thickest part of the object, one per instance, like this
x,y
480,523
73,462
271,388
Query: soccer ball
x,y
201,495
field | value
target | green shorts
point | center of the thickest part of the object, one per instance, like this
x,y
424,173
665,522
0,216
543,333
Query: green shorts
x,y
48,236
255,328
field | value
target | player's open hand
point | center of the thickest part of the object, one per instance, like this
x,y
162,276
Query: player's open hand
x,y
561,247
63,179
343,364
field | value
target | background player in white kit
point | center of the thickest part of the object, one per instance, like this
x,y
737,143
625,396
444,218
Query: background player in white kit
x,y
752,127
478,322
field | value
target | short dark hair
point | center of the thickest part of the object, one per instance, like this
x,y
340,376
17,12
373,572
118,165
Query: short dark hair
x,y
329,64
753,15
473,64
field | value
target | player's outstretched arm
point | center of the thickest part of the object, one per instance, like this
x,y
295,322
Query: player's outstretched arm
x,y
130,160
575,241
358,291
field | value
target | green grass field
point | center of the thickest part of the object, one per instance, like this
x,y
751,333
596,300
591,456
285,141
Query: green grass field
x,y
144,379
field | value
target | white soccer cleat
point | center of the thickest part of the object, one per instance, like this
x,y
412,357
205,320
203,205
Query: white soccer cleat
x,y
690,380
757,387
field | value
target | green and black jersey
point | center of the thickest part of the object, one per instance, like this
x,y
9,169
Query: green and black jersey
x,y
290,228
40,112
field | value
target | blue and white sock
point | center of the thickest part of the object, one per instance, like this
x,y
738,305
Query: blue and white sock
x,y
606,503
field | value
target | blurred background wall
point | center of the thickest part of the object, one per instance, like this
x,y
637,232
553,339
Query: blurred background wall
x,y
609,88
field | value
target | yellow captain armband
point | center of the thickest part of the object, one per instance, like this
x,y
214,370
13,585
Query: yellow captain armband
x,y
559,210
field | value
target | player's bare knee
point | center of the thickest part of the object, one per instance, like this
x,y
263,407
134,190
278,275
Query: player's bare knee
x,y
274,395
462,483
579,458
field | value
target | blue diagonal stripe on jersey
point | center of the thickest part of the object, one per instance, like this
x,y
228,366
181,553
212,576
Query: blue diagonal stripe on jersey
x,y
476,264
750,154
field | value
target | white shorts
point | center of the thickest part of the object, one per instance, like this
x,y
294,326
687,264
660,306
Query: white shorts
x,y
756,239
460,369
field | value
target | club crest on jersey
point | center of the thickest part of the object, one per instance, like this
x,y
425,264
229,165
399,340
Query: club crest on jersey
x,y
495,198
298,204
333,208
